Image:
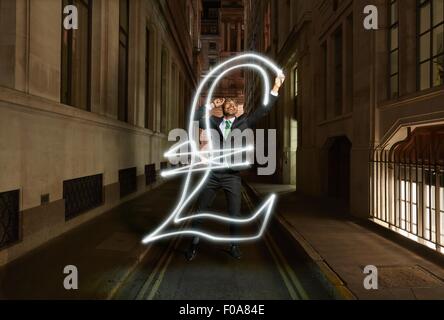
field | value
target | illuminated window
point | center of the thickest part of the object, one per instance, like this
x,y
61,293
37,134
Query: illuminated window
x,y
431,43
408,202
432,201
76,58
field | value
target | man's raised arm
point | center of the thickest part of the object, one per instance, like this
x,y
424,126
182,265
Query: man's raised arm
x,y
263,110
202,111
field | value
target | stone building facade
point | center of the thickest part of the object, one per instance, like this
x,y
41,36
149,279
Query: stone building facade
x,y
223,37
361,118
84,113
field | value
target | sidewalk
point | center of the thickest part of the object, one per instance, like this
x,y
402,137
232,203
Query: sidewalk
x,y
337,243
104,251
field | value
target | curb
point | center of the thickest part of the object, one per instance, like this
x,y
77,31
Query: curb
x,y
324,273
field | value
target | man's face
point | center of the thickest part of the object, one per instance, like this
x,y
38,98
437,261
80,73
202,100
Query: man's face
x,y
230,109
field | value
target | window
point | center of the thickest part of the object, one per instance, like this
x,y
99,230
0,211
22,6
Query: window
x,y
213,13
243,38
174,93
191,21
295,82
408,200
324,81
123,60
212,62
181,102
164,90
430,42
233,38
295,90
433,200
76,58
338,69
147,80
393,45
349,68
212,46
267,27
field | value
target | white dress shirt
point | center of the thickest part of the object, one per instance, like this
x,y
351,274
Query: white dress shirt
x,y
223,124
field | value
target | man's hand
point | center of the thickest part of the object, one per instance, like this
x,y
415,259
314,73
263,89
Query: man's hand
x,y
217,103
279,81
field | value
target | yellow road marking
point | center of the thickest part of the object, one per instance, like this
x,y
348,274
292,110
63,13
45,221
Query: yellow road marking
x,y
290,279
294,279
166,256
127,274
291,291
162,272
142,292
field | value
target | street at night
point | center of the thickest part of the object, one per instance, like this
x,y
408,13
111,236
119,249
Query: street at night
x,y
214,158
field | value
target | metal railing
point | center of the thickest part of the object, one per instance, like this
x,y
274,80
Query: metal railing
x,y
9,218
407,191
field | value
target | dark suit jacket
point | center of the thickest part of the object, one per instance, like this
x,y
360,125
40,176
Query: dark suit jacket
x,y
242,123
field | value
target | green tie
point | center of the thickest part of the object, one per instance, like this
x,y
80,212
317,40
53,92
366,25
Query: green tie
x,y
227,129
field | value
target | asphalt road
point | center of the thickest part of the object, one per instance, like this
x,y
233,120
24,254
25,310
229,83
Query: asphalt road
x,y
113,264
269,269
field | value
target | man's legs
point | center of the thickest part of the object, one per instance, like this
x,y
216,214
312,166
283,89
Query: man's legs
x,y
204,202
232,185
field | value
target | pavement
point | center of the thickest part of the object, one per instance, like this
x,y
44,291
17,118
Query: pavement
x,y
342,247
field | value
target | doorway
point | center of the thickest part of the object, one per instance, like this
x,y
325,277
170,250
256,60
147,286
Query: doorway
x,y
339,155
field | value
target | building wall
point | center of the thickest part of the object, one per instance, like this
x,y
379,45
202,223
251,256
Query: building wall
x,y
44,142
227,24
304,34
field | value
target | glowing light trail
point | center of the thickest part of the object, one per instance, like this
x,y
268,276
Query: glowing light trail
x,y
211,163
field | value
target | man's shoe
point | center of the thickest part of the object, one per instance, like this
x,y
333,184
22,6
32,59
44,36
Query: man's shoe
x,y
235,252
191,252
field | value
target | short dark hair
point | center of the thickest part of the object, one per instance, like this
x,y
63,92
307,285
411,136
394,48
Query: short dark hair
x,y
230,100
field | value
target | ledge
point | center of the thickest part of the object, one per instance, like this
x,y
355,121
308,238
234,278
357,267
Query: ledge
x,y
42,106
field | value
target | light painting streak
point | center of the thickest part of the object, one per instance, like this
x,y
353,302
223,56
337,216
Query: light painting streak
x,y
198,159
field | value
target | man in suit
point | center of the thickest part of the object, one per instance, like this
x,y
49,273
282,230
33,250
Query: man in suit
x,y
227,179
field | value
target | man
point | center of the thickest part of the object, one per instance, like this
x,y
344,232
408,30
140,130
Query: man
x,y
227,179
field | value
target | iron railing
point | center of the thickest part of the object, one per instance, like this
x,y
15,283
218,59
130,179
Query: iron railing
x,y
407,189
127,181
9,218
150,174
82,195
